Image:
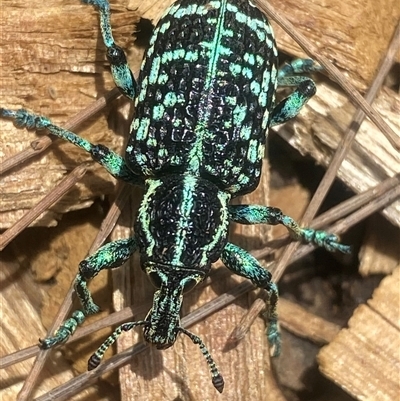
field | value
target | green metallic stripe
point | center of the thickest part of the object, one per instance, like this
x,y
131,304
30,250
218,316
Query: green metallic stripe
x,y
222,231
215,50
144,214
185,209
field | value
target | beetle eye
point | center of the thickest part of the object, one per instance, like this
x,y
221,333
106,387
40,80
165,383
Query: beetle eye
x,y
189,285
155,279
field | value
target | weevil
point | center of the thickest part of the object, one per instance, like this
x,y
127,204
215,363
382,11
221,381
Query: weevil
x,y
204,101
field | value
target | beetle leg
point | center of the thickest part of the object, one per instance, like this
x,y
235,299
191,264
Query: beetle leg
x,y
256,214
242,263
111,161
120,70
305,89
109,256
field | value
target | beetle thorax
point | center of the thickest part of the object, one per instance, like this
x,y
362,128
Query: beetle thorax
x,y
182,222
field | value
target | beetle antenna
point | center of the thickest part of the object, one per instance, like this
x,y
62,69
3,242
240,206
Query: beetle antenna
x,y
96,358
217,379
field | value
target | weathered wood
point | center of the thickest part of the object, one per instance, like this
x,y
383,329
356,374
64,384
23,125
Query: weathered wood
x,y
380,252
364,359
302,323
318,130
354,34
181,372
20,328
53,62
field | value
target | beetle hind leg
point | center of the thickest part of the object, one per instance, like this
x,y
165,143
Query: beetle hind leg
x,y
120,70
243,264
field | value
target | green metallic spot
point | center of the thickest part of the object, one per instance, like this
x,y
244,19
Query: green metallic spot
x,y
162,79
224,51
261,151
249,58
265,120
266,80
263,99
143,129
158,112
135,124
151,142
143,90
228,33
245,132
252,152
189,10
239,114
155,68
154,37
235,69
176,160
163,152
247,72
192,56
231,100
243,179
177,123
255,88
165,26
232,8
170,99
150,52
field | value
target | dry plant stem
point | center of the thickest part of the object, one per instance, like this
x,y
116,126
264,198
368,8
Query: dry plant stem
x,y
381,190
121,196
201,313
84,380
222,301
341,151
338,77
247,320
361,214
114,319
37,147
383,200
337,212
104,231
343,147
59,191
40,145
354,95
343,225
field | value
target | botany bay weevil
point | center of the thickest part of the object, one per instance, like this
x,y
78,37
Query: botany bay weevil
x,y
204,101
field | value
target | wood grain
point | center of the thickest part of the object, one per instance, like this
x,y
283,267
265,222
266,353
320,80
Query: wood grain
x,y
364,359
53,62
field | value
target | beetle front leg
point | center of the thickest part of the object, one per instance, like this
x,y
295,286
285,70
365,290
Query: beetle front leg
x,y
305,89
242,263
256,214
111,161
109,256
120,70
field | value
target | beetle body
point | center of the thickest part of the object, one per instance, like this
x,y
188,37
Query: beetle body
x,y
205,89
204,100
